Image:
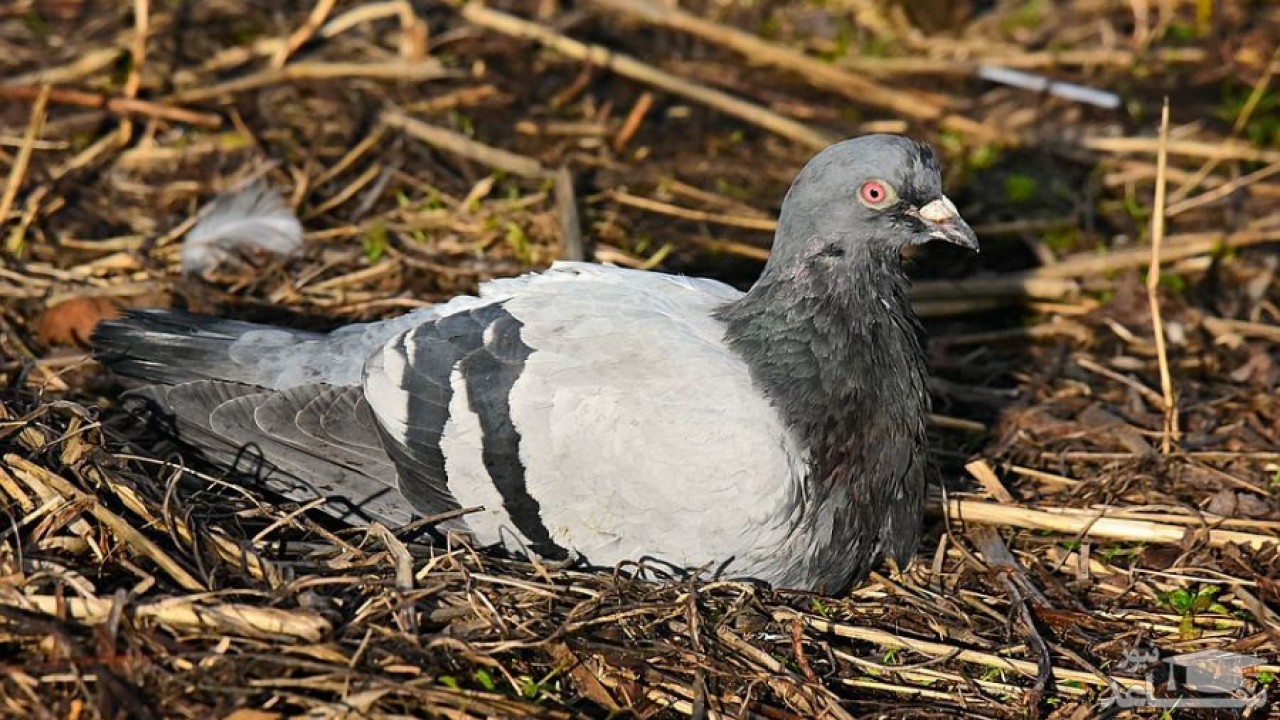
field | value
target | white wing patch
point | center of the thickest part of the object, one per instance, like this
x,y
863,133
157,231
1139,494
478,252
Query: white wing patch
x,y
390,403
642,433
469,481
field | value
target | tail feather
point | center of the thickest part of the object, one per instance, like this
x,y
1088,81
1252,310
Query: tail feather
x,y
169,347
356,491
234,391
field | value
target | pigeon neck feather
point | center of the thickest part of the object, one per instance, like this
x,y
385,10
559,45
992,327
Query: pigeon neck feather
x,y
829,335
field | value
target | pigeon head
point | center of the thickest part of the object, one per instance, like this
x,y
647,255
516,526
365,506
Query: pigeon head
x,y
868,196
830,336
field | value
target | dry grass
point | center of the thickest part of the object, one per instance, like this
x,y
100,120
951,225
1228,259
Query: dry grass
x,y
429,147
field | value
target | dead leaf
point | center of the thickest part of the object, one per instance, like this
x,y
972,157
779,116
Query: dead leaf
x,y
1103,426
71,322
1232,503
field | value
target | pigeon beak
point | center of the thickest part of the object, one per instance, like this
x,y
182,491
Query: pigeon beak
x,y
946,224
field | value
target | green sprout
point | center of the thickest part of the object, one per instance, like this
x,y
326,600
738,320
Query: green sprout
x,y
1189,603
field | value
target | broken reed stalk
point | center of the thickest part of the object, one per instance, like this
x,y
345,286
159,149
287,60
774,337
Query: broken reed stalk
x,y
1170,427
1096,525
187,614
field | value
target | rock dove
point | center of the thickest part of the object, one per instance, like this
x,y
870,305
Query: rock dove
x,y
600,414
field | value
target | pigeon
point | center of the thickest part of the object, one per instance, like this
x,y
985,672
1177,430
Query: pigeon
x,y
598,415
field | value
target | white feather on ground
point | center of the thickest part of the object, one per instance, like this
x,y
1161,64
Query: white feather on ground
x,y
254,217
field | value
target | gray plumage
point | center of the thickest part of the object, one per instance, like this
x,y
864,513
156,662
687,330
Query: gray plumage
x,y
609,414
253,217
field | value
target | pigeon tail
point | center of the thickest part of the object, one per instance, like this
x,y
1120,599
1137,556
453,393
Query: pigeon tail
x,y
172,347
215,383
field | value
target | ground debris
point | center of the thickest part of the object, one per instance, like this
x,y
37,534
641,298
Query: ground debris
x,y
426,149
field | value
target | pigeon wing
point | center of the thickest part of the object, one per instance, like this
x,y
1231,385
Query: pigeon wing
x,y
595,411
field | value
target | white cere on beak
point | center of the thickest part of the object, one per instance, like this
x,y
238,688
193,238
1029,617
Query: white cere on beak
x,y
939,211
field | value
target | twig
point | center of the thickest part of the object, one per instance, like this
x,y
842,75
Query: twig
x,y
634,120
1027,60
370,141
1087,363
459,144
571,246
884,638
1230,150
1176,247
1205,455
1219,327
18,173
1222,191
318,15
657,206
583,676
733,247
785,684
137,60
946,422
117,105
1170,428
138,49
1014,578
627,66
413,31
83,66
397,70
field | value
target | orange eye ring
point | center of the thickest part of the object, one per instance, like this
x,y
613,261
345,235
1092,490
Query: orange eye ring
x,y
876,193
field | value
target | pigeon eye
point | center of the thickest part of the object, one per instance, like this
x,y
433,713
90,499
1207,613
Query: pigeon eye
x,y
876,193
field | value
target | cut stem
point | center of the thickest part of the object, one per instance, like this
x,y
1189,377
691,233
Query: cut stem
x,y
1170,428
